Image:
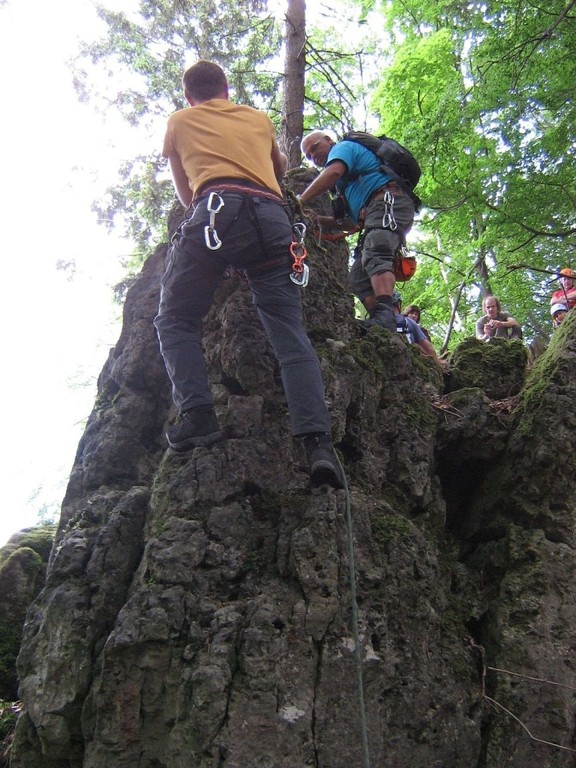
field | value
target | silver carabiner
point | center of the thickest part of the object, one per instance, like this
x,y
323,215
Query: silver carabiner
x,y
301,278
214,205
213,242
388,220
210,205
300,228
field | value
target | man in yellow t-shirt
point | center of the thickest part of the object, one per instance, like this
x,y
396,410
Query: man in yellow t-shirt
x,y
226,167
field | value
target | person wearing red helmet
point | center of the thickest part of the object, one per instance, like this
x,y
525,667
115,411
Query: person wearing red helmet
x,y
567,293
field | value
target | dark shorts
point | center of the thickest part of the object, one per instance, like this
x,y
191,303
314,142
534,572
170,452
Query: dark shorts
x,y
385,233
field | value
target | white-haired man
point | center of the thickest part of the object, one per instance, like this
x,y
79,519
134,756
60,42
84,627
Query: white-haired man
x,y
375,201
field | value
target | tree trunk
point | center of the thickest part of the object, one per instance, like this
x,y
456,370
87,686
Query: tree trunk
x,y
295,63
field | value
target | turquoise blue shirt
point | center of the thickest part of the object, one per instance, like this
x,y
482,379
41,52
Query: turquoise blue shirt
x,y
364,168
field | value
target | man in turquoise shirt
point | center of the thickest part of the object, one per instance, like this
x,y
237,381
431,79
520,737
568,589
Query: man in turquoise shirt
x,y
375,202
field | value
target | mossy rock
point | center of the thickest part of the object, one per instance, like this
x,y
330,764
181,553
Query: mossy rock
x,y
23,563
39,538
497,368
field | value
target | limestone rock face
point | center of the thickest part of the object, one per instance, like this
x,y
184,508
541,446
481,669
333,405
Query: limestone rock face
x,y
23,561
198,608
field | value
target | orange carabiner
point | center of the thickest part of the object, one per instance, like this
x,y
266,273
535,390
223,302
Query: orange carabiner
x,y
299,253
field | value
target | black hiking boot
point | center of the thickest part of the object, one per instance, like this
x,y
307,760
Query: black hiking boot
x,y
324,465
195,428
382,315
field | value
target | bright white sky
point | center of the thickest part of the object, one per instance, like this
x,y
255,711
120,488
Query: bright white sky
x,y
57,158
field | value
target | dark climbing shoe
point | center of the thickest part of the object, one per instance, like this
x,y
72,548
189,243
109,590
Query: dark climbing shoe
x,y
195,428
382,315
324,466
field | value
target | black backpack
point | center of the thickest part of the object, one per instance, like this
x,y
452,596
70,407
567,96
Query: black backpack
x,y
396,160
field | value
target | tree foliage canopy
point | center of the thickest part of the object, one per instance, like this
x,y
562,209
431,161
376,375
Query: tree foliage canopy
x,y
481,93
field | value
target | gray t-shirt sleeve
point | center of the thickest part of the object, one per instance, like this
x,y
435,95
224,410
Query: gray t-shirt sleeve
x,y
415,330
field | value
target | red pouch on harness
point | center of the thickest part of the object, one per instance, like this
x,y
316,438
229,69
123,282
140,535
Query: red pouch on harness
x,y
404,265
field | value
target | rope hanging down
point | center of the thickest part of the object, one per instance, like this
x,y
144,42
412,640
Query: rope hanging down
x,y
334,237
355,624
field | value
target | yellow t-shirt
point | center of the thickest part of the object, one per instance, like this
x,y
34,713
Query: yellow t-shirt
x,y
222,140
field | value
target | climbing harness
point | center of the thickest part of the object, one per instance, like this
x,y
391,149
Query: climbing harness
x,y
214,206
404,264
388,220
300,272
